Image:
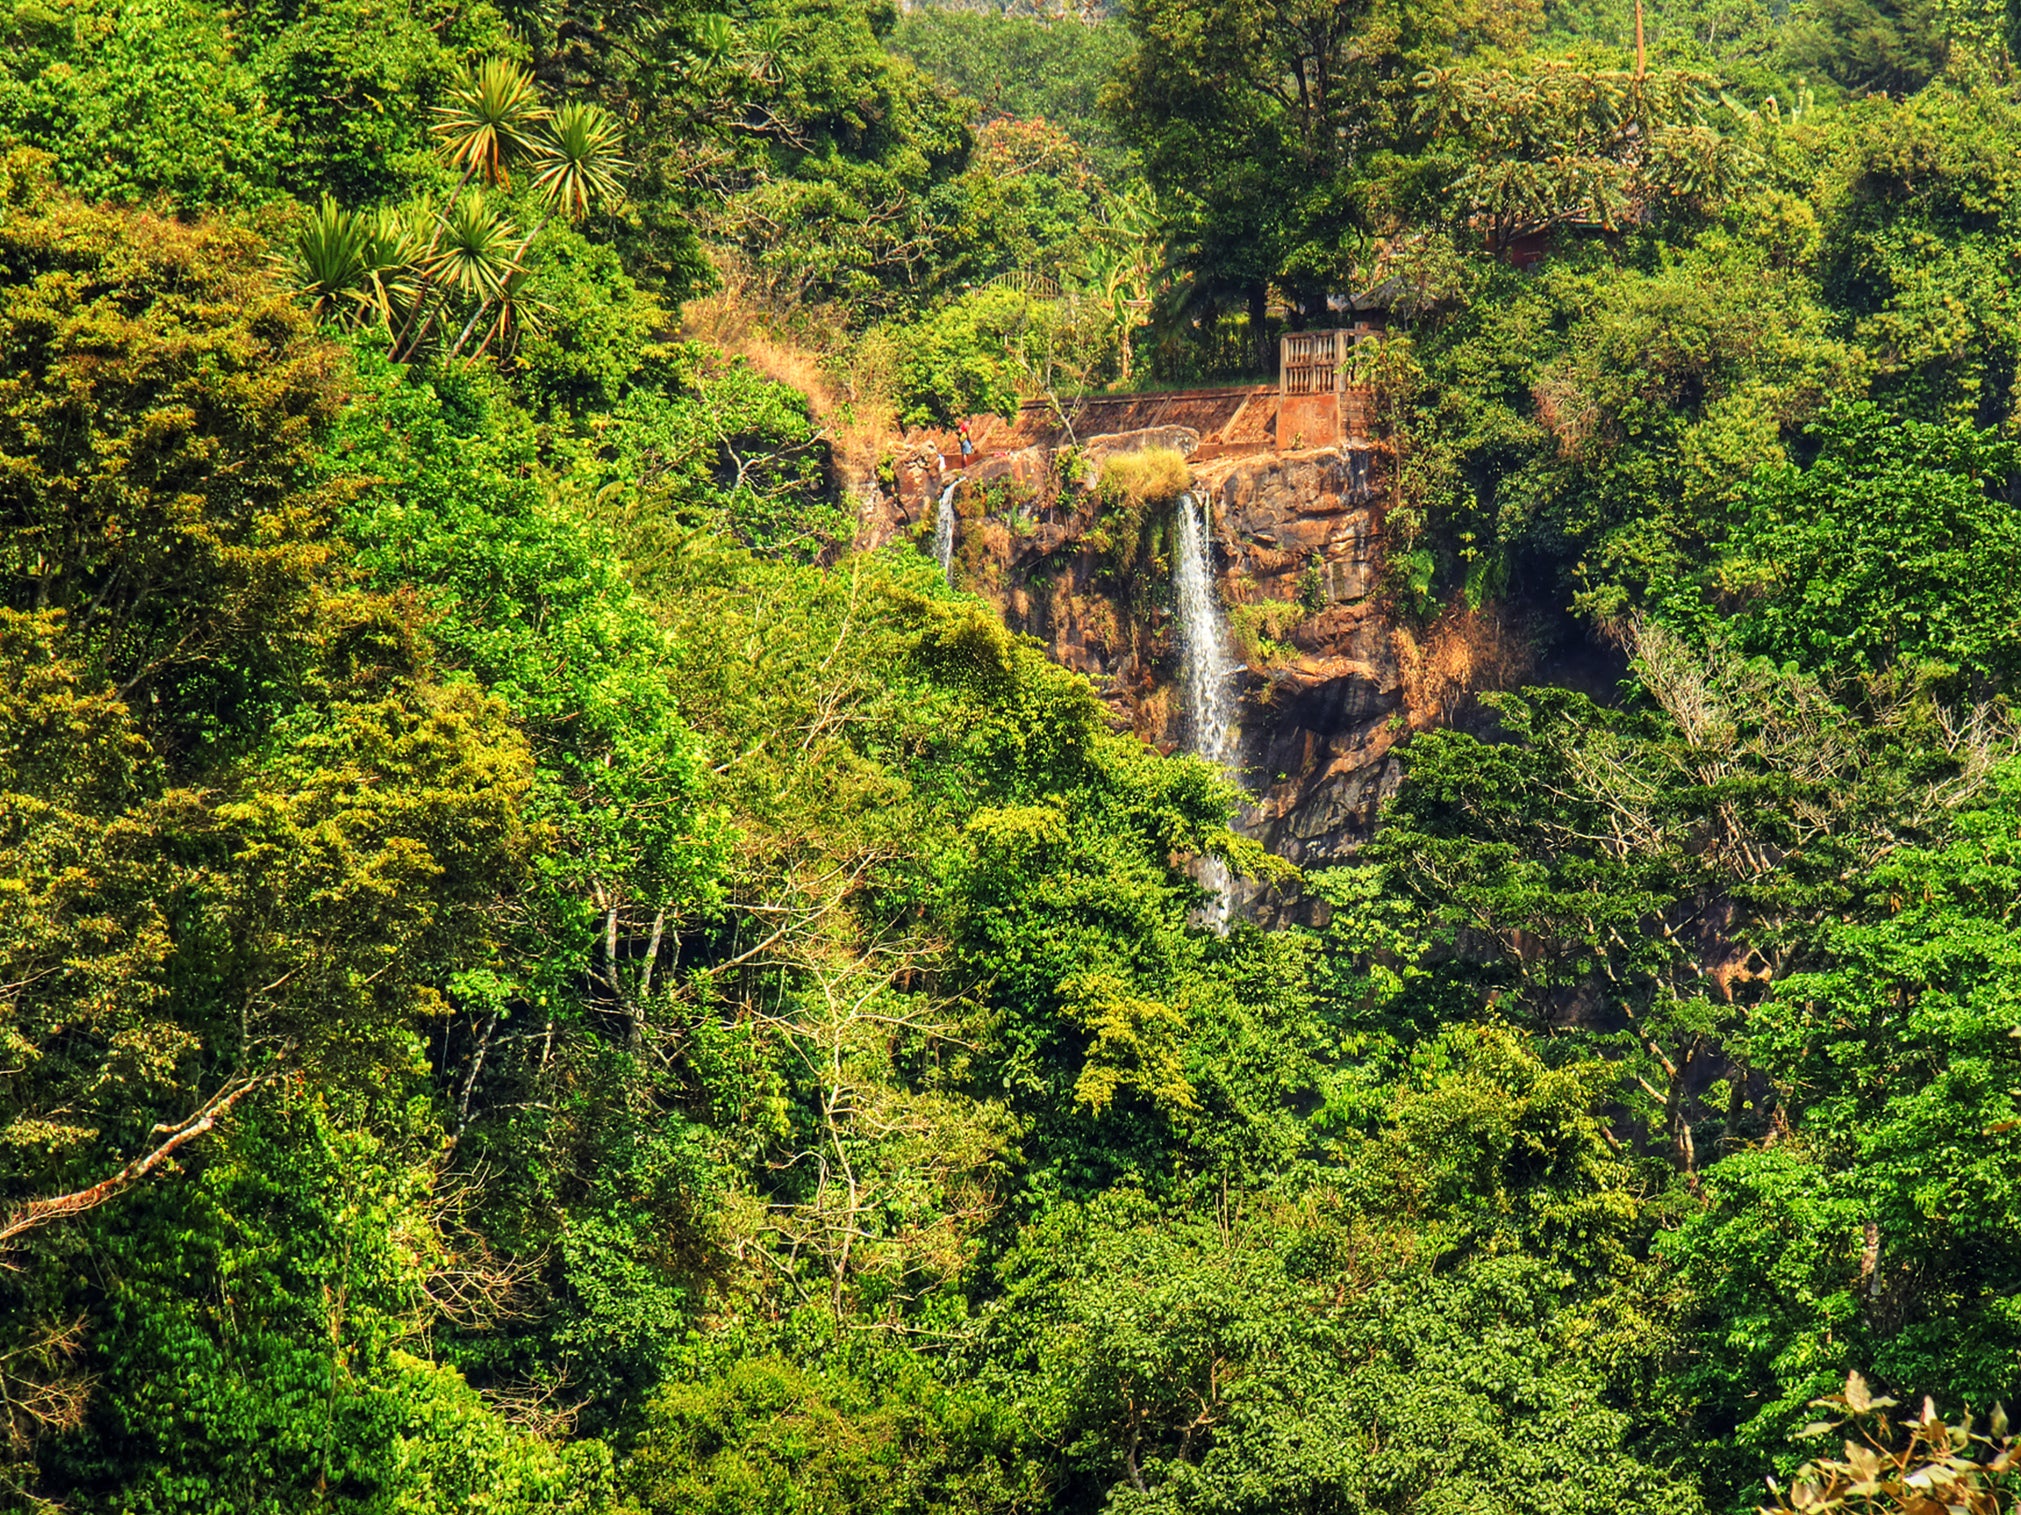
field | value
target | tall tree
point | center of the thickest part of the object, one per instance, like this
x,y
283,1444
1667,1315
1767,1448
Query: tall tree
x,y
1254,117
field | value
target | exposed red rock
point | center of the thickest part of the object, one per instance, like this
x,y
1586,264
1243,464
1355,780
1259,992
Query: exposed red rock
x,y
1298,552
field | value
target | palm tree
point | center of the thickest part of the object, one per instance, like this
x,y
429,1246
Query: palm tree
x,y
327,263
577,165
473,247
491,117
471,253
576,160
353,267
390,253
517,313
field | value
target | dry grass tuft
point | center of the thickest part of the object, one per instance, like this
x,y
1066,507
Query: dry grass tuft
x,y
1149,476
1465,653
850,398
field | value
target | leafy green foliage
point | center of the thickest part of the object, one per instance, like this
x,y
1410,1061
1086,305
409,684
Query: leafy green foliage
x,y
1027,68
1556,145
286,1374
246,858
535,976
350,82
1270,1354
704,443
1898,544
1028,199
1880,1229
835,193
137,100
768,1436
1910,252
990,349
1255,124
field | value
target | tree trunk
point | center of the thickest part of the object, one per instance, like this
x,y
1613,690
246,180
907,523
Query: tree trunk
x,y
1259,328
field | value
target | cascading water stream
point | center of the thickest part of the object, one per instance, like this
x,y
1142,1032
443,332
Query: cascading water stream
x,y
943,532
1207,673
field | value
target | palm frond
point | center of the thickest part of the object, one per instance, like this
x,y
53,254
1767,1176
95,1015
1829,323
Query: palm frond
x,y
328,262
492,116
577,160
519,314
473,249
391,250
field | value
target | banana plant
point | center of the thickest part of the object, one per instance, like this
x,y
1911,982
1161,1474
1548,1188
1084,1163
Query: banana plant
x,y
1121,268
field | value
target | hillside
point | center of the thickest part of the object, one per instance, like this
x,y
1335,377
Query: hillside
x,y
1219,757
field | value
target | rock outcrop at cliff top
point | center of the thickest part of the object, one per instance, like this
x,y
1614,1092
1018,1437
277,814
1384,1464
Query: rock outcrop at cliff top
x,y
1297,549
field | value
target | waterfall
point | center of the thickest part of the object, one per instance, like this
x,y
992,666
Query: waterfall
x,y
943,532
1207,673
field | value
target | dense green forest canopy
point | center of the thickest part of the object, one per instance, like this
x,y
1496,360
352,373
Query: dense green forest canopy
x,y
537,976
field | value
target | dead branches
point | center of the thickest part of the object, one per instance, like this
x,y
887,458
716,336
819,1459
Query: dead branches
x,y
40,1392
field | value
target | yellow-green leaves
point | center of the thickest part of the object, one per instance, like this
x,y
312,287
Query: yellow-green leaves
x,y
968,649
159,396
1017,832
1137,1046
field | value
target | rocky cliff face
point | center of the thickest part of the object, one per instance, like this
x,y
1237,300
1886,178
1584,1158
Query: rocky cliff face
x,y
1297,545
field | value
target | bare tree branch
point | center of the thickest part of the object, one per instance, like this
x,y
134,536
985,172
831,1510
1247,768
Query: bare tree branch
x,y
37,1213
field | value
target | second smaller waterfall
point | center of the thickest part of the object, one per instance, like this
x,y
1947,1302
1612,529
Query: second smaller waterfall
x,y
943,532
1207,672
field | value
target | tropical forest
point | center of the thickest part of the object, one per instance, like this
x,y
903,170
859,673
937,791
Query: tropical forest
x,y
1010,757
